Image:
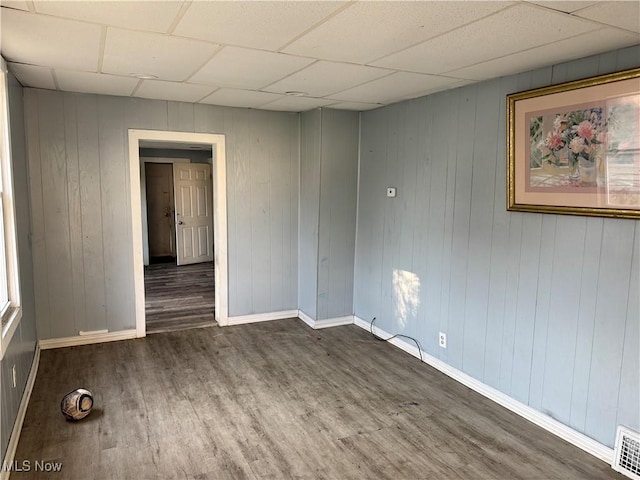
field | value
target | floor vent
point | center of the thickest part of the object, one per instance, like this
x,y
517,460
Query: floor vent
x,y
626,458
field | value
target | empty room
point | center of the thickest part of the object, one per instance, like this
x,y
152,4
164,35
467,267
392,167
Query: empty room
x,y
320,239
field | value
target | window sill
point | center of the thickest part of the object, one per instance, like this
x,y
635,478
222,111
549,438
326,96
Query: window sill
x,y
10,324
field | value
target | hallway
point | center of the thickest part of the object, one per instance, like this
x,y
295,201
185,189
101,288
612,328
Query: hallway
x,y
178,298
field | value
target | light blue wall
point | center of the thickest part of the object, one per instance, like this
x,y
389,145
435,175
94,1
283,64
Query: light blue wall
x,y
22,348
310,151
338,206
541,307
328,203
82,240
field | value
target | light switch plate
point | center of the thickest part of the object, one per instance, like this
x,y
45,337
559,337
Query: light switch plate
x,y
391,192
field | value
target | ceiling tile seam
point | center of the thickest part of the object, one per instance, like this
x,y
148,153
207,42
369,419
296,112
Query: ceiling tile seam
x,y
118,27
126,77
54,75
549,7
102,24
12,8
391,72
284,96
317,24
585,8
262,105
328,96
275,52
414,95
479,19
136,88
215,89
289,75
602,24
103,43
215,52
178,18
163,35
576,16
76,20
591,32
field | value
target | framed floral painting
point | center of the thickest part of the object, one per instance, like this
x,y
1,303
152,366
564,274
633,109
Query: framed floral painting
x,y
574,148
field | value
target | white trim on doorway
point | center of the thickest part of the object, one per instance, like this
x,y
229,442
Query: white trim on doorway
x,y
217,143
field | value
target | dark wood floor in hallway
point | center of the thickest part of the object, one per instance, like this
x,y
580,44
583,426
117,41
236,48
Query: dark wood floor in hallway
x,y
178,298
277,400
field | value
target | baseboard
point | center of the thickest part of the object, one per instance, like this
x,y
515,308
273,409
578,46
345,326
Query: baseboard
x,y
326,323
86,339
22,411
550,424
262,317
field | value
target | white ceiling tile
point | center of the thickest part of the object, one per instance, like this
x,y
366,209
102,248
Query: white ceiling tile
x,y
488,39
264,25
296,104
33,76
398,85
617,14
54,42
18,4
168,58
369,30
580,46
246,68
568,6
179,92
324,78
239,98
152,16
509,31
102,84
357,106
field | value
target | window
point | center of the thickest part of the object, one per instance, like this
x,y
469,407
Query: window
x,y
10,310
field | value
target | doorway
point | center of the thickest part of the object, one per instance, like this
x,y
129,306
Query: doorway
x,y
161,232
179,272
213,201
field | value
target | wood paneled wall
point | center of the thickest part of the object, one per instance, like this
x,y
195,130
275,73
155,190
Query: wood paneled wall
x,y
310,141
338,206
541,307
23,345
81,206
328,203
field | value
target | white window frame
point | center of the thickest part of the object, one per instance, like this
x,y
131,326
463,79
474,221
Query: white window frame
x,y
11,313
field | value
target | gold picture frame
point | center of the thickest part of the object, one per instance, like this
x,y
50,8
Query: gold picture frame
x,y
574,148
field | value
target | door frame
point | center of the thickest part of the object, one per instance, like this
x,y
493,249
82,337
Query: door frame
x,y
220,252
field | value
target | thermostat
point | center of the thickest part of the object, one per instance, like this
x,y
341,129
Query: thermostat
x,y
391,192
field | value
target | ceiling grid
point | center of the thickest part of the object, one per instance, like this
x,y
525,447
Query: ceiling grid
x,y
297,56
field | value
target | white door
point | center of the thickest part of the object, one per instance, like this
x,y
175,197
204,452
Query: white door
x,y
194,212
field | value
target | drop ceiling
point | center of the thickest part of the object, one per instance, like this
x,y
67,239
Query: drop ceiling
x,y
297,56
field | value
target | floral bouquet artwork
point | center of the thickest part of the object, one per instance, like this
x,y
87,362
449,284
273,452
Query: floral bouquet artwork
x,y
572,143
574,148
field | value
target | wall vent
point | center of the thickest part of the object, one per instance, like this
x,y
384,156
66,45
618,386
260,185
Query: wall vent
x,y
626,458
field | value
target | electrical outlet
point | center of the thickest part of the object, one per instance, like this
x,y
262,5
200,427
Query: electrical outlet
x,y
391,192
13,375
442,340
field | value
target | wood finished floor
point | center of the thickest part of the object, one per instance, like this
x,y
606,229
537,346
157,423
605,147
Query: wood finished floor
x,y
277,400
178,298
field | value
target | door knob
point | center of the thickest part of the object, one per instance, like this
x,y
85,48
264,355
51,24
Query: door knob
x,y
180,222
